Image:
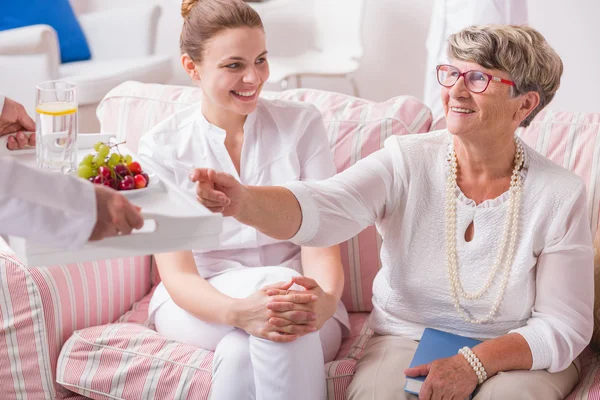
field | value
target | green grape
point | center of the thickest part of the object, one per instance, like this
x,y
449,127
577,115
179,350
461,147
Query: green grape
x,y
115,158
97,146
128,159
85,171
111,163
99,160
103,150
94,171
87,160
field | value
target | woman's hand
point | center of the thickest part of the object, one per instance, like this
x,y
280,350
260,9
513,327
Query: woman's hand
x,y
287,313
20,140
252,315
218,191
447,378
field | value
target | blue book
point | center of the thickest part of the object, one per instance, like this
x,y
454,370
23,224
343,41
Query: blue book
x,y
434,345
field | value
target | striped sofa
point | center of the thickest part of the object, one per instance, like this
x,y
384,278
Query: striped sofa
x,y
80,331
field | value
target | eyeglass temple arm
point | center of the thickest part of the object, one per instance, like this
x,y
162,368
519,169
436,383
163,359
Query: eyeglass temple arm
x,y
495,78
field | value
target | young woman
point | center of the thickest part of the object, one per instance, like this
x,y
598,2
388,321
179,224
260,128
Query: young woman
x,y
217,299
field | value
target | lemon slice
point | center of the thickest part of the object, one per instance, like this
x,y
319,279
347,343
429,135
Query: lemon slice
x,y
56,108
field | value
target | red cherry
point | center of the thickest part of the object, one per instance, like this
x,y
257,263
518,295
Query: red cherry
x,y
135,167
114,183
121,169
98,179
127,183
104,171
140,181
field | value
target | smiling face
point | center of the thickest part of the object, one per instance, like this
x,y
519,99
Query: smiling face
x,y
232,72
494,110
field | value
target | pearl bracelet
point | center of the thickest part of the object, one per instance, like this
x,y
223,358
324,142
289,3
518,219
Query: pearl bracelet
x,y
473,360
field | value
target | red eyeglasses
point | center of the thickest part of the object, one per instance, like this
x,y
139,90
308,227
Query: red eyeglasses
x,y
475,81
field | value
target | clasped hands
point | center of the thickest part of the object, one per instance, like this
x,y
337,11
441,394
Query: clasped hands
x,y
282,315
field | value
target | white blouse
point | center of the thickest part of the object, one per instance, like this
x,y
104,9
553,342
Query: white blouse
x,y
283,141
401,189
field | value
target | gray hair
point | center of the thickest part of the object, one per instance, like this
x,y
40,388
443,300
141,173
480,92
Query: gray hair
x,y
517,49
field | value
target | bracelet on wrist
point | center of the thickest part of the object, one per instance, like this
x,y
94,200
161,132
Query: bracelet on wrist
x,y
474,362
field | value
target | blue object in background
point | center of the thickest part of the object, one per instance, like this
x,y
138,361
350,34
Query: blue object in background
x,y
56,13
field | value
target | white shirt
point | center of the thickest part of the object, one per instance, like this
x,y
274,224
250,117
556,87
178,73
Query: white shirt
x,y
45,207
401,189
283,141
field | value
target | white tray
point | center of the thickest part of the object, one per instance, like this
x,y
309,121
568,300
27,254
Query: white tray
x,y
174,220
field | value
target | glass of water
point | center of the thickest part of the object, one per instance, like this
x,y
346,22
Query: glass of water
x,y
56,126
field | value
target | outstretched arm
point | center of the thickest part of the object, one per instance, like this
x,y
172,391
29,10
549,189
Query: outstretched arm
x,y
317,214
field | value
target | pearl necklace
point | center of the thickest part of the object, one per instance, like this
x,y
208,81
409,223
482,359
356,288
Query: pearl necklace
x,y
508,239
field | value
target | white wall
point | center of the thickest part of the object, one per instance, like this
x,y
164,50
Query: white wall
x,y
573,30
394,34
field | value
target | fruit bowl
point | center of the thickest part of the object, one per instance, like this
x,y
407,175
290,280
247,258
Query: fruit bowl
x,y
107,166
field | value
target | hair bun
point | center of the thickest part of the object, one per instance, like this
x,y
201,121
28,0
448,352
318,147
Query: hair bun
x,y
186,7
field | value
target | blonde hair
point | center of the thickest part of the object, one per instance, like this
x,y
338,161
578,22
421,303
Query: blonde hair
x,y
517,49
203,19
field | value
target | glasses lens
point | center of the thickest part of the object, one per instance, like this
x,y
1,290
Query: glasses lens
x,y
447,75
476,81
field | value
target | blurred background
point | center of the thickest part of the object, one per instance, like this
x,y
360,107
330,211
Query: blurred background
x,y
386,40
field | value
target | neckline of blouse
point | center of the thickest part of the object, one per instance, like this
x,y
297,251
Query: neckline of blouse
x,y
490,203
219,132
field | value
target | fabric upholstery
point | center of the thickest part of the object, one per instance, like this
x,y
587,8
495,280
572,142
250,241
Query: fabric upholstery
x,y
141,364
41,307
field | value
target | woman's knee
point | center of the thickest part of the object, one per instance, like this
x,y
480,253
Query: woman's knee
x,y
330,335
280,274
233,352
526,385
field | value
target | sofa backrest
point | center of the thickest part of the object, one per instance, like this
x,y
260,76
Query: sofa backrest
x,y
356,128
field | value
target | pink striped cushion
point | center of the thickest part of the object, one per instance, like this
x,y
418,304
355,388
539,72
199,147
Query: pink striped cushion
x,y
356,128
588,387
41,307
133,362
132,108
341,371
130,361
571,140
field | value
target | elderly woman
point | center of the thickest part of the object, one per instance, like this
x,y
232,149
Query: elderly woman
x,y
482,236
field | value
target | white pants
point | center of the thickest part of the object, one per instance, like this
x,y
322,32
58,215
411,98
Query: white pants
x,y
247,367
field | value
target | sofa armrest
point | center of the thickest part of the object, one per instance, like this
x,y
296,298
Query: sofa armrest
x,y
121,32
41,307
28,56
34,39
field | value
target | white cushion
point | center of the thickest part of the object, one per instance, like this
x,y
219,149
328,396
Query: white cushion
x,y
95,79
